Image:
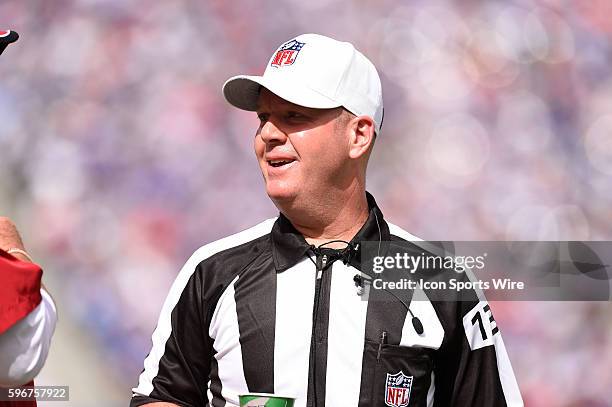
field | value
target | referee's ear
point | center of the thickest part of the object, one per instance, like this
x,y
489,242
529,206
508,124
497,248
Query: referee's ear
x,y
361,136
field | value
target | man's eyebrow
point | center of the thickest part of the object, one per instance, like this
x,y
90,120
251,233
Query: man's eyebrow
x,y
285,105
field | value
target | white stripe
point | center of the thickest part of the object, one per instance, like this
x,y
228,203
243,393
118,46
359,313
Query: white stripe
x,y
6,34
433,332
295,289
432,390
208,393
346,336
506,375
162,332
226,334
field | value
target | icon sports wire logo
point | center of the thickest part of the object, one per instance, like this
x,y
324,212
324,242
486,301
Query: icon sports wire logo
x,y
7,37
287,53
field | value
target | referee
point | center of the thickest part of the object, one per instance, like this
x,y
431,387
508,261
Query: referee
x,y
284,307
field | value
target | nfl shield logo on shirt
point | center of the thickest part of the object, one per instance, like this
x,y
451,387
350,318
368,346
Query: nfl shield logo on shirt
x,y
287,53
397,389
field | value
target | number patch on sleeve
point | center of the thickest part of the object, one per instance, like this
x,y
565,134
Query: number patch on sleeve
x,y
480,326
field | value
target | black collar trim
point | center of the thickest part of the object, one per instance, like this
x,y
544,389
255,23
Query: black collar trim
x,y
289,246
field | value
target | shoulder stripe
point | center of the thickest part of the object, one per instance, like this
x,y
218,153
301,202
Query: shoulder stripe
x,y
399,232
164,328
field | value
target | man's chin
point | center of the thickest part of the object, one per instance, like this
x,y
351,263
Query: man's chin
x,y
281,196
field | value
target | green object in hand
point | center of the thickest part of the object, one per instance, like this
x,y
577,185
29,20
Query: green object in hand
x,y
265,400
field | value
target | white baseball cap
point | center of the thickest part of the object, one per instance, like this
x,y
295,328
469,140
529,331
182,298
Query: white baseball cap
x,y
315,71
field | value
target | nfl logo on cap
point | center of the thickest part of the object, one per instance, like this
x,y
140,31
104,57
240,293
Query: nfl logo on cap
x,y
397,389
287,53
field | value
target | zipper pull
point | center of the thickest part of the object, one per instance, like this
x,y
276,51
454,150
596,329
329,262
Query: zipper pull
x,y
321,263
383,340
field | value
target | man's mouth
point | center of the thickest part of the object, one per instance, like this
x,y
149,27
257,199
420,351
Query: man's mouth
x,y
279,163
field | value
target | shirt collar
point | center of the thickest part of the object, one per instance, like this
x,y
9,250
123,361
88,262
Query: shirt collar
x,y
289,246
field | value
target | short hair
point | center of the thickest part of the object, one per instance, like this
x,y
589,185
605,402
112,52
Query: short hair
x,y
346,116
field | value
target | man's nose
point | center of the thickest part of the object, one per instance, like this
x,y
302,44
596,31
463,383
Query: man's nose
x,y
271,133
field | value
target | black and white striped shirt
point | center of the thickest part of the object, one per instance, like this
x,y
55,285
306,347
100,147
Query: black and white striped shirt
x,y
250,314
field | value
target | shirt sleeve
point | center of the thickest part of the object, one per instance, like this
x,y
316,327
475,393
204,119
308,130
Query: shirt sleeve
x,y
473,368
25,345
19,289
177,368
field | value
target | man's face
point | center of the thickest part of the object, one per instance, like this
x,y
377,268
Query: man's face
x,y
301,151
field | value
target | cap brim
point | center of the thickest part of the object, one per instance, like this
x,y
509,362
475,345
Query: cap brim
x,y
242,91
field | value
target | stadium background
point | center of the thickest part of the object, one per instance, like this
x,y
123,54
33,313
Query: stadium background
x,y
119,157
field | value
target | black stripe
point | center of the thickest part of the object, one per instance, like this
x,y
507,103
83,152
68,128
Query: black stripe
x,y
385,313
317,369
183,369
215,385
255,295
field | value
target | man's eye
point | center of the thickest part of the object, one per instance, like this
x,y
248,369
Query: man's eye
x,y
294,115
262,117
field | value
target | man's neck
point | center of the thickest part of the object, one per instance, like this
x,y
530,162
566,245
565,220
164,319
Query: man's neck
x,y
340,219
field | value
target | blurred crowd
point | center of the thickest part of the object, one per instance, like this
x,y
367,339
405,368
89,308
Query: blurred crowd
x,y
119,156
